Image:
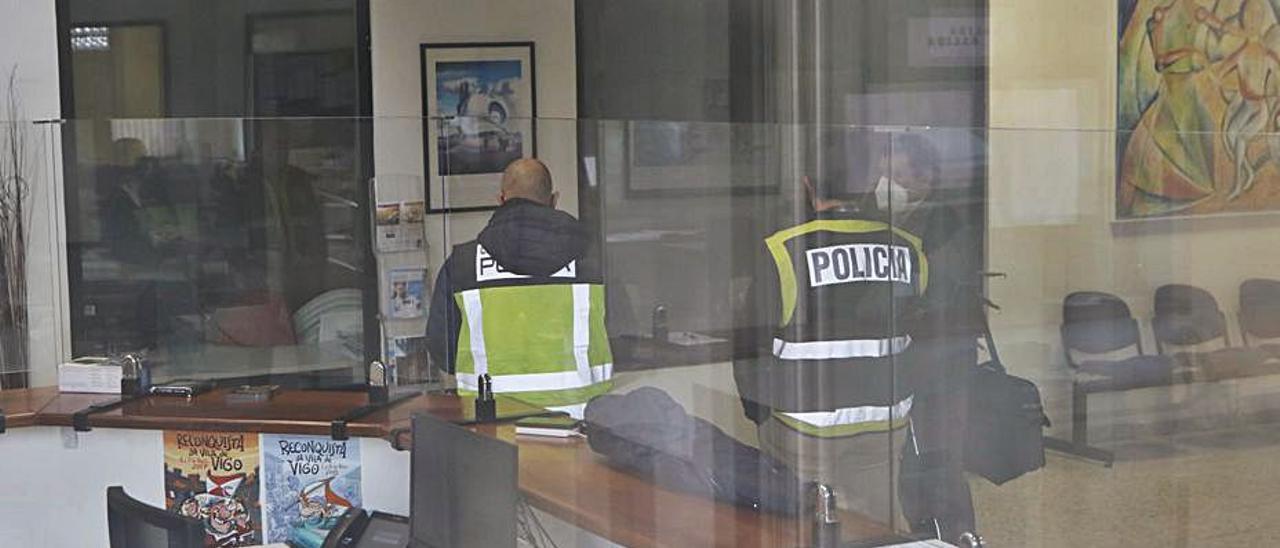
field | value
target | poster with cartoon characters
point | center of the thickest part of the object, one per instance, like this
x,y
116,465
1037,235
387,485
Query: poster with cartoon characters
x,y
309,482
213,477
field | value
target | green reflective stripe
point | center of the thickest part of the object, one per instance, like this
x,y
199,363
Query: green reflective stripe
x,y
843,429
786,269
557,398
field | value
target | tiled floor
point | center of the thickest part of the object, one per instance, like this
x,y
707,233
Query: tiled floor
x,y
1207,489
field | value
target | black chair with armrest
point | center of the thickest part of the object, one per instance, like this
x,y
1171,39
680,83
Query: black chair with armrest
x,y
134,524
1096,329
1188,316
1259,315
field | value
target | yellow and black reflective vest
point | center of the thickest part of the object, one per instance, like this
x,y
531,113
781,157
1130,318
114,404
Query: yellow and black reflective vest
x,y
847,295
540,335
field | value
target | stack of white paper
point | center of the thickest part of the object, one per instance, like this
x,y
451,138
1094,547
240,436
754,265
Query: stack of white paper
x,y
92,375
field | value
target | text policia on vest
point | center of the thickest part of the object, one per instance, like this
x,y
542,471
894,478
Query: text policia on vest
x,y
841,264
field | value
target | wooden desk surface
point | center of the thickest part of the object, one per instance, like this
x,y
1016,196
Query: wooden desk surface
x,y
631,511
566,479
288,412
21,406
561,477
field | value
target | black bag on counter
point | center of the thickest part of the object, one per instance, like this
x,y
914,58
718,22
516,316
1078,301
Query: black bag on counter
x,y
1006,421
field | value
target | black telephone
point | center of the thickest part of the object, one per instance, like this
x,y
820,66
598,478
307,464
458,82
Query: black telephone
x,y
360,529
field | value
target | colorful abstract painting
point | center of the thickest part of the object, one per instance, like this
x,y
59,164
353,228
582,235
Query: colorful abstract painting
x,y
1198,107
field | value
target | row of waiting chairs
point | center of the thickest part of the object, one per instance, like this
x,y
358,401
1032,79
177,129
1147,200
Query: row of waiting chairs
x,y
1098,326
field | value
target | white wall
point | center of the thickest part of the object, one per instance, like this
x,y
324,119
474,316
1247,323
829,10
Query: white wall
x,y
399,27
56,495
72,479
28,39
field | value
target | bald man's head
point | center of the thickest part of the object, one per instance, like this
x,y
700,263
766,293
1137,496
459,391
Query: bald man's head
x,y
530,179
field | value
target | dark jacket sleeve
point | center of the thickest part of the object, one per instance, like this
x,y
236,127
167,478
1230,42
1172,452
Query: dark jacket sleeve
x,y
444,322
754,320
944,346
955,280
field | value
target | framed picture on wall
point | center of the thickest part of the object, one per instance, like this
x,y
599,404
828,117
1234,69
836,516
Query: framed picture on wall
x,y
479,109
684,159
1196,134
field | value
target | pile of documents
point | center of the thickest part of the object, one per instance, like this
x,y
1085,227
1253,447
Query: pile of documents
x,y
94,375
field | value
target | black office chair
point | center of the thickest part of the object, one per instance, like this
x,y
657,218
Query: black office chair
x,y
134,524
1096,326
1096,323
1260,314
1187,316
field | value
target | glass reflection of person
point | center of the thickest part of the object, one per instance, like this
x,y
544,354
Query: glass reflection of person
x,y
935,495
128,194
150,228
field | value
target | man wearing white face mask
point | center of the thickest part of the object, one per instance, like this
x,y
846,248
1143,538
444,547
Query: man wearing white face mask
x,y
935,495
908,176
837,309
833,302
891,196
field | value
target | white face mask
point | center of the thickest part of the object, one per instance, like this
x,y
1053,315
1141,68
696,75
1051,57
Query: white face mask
x,y
890,193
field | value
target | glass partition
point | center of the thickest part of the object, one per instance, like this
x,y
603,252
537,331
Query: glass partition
x,y
765,323
225,248
1135,310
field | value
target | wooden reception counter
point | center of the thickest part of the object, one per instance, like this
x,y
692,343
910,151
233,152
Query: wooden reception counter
x,y
563,478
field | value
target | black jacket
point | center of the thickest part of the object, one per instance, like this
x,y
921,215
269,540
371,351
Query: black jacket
x,y
524,238
649,434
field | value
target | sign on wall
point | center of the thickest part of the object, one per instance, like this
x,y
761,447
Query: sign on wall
x,y
213,477
309,483
958,41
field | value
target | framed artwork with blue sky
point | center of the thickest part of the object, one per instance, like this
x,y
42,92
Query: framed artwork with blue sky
x,y
479,110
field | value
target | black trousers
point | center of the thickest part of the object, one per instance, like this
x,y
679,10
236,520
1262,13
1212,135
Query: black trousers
x,y
932,486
